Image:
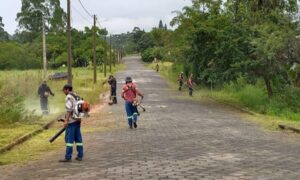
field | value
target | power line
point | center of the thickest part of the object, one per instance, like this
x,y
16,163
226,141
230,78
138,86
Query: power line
x,y
98,23
83,17
85,9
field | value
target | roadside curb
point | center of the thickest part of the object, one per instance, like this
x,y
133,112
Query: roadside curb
x,y
239,108
285,127
26,137
234,106
281,126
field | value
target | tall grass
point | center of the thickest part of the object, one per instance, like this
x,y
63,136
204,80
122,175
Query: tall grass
x,y
19,98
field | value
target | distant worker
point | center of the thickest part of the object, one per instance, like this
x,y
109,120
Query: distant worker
x,y
72,125
157,67
129,94
113,89
180,80
190,84
44,92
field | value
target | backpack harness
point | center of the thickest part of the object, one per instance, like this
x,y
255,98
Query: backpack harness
x,y
81,107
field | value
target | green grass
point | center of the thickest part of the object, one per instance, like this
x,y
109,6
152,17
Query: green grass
x,y
32,149
26,84
282,108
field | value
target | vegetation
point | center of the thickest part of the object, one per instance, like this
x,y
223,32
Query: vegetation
x,y
246,52
253,97
20,106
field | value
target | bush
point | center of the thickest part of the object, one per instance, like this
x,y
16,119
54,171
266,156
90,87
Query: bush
x,y
11,105
151,53
253,97
16,56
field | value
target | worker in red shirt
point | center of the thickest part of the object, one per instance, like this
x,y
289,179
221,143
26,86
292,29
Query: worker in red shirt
x,y
180,80
129,94
190,84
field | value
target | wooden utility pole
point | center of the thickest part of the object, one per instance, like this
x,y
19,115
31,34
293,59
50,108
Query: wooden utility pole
x,y
119,56
105,56
94,52
110,54
44,50
69,43
115,56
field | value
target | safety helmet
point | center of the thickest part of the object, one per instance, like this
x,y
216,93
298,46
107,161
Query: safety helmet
x,y
128,79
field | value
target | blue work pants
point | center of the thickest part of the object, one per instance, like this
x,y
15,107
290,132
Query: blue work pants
x,y
72,135
132,112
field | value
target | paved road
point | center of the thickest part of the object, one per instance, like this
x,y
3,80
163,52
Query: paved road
x,y
176,139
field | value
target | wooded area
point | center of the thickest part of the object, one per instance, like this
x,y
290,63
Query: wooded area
x,y
220,42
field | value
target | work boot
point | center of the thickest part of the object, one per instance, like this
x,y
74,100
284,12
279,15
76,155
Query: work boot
x,y
65,160
78,158
134,125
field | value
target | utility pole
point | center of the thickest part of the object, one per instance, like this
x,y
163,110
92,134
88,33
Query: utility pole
x,y
44,50
110,55
105,56
115,56
94,53
69,43
118,55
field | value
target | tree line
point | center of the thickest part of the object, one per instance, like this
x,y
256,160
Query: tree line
x,y
221,41
23,49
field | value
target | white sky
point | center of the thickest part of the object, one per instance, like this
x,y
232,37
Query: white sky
x,y
118,16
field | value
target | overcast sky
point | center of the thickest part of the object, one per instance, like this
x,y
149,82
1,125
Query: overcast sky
x,y
117,16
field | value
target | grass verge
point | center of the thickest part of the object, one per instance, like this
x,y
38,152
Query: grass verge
x,y
269,112
83,85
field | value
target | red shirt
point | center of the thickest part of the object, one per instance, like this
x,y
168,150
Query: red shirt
x,y
129,91
190,82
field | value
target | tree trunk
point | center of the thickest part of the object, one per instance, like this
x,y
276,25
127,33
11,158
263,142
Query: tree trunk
x,y
269,86
297,81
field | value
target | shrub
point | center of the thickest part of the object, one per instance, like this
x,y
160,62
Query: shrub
x,y
11,105
151,53
253,97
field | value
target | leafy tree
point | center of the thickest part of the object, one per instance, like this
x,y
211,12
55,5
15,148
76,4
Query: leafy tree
x,y
151,53
137,34
16,56
161,36
145,42
255,39
3,34
30,18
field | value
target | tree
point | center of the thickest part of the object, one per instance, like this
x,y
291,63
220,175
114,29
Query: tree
x,y
166,27
3,34
161,36
30,18
145,42
254,39
17,56
137,34
160,25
